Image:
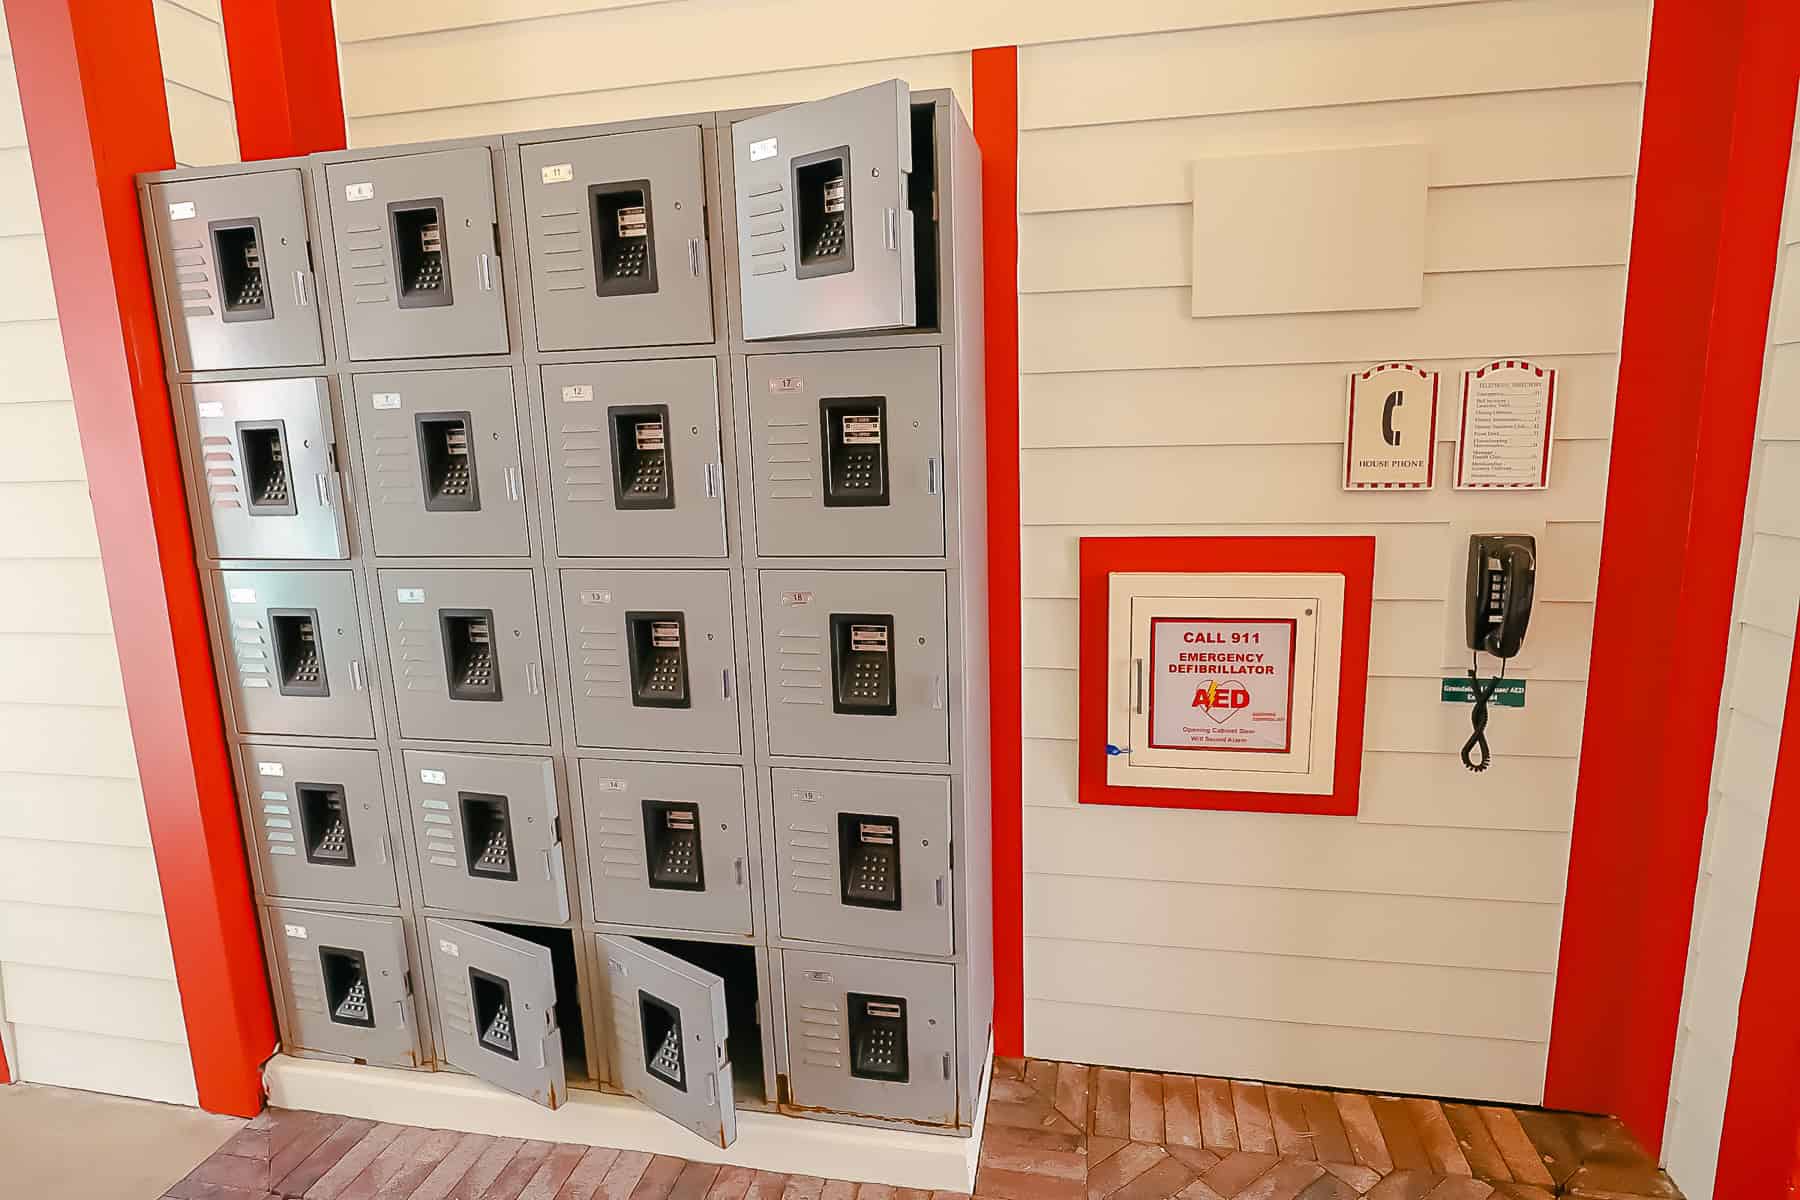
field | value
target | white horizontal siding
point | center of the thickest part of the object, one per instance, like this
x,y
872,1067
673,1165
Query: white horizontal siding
x,y
197,82
86,983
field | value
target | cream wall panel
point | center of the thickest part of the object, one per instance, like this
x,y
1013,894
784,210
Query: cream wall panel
x,y
73,808
1746,758
65,740
18,199
205,8
62,668
28,295
39,442
97,1063
1768,602
1759,674
36,369
46,520
86,940
54,595
193,49
119,1005
1775,490
1781,422
73,875
204,128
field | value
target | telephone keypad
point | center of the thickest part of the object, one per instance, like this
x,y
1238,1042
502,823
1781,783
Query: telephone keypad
x,y
878,1044
499,1033
496,856
623,235
862,660
667,1060
354,1009
657,653
272,489
336,842
672,845
250,285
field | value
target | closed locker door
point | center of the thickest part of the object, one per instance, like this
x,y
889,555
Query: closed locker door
x,y
616,235
669,1029
468,666
267,455
871,1037
348,985
848,453
635,462
417,259
319,817
488,835
440,459
864,859
296,652
652,658
855,664
825,236
667,844
237,275
496,997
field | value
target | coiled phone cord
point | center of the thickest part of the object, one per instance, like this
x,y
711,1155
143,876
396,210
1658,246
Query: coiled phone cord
x,y
1478,718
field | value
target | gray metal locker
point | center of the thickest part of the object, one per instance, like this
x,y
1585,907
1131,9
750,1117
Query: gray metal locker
x,y
496,998
855,665
267,456
468,666
417,259
616,240
825,237
635,462
488,834
236,271
348,985
848,453
669,1029
441,465
668,846
652,659
871,1036
864,859
319,818
296,652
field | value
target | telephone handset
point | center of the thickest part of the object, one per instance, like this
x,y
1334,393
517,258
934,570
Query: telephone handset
x,y
1502,578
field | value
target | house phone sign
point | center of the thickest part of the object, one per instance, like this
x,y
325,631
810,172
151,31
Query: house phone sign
x,y
1222,683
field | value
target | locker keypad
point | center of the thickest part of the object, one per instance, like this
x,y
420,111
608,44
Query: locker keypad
x,y
346,974
672,845
660,1025
869,860
657,650
447,461
624,240
469,654
854,449
487,834
325,824
300,671
862,662
262,449
417,231
822,208
491,998
237,257
640,456
878,1038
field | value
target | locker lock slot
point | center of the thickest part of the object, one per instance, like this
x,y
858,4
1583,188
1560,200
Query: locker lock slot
x,y
325,824
643,476
346,975
853,438
471,658
268,479
664,1055
672,843
862,664
299,665
495,1024
878,1038
418,233
487,833
624,239
447,461
237,256
657,650
869,861
822,206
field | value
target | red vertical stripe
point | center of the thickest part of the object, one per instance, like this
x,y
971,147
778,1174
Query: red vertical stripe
x,y
284,77
995,75
1718,115
90,84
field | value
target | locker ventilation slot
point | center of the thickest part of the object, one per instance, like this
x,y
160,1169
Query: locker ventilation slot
x,y
491,997
346,986
487,832
325,824
417,227
469,653
243,287
852,434
661,1025
878,1038
299,668
862,664
267,478
869,860
657,649
447,461
624,241
642,477
822,202
672,840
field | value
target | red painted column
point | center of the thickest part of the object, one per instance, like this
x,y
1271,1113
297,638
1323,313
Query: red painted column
x,y
284,77
995,76
90,84
1718,114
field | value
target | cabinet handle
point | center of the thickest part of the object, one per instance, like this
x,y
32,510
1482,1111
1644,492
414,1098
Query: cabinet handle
x,y
891,230
937,691
534,678
485,271
512,484
931,476
938,887
709,478
356,674
725,684
324,489
946,1064
694,256
381,845
1137,685
737,871
400,1011
300,289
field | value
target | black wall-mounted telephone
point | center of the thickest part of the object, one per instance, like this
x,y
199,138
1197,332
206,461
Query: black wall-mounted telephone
x,y
862,664
853,438
1502,578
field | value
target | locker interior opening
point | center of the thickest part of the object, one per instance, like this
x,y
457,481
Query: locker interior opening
x,y
921,198
561,944
736,965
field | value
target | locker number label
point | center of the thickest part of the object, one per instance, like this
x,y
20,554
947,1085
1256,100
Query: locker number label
x,y
183,211
596,596
410,595
578,393
427,775
558,173
359,191
385,399
449,947
786,385
760,150
273,770
243,595
296,931
610,785
210,408
796,599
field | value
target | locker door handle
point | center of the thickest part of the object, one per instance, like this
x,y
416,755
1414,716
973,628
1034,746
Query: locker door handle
x,y
709,478
931,476
725,684
549,867
534,678
300,289
737,871
1137,685
324,489
937,691
381,845
400,1011
694,257
484,270
937,887
946,1064
512,484
356,674
890,227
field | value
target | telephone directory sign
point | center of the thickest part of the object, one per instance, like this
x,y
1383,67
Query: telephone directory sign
x,y
1222,683
1505,426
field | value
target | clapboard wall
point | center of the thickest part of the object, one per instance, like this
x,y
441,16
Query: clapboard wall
x,y
1413,948
87,986
1751,712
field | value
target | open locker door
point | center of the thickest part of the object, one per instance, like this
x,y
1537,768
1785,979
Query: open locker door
x,y
497,997
825,237
669,1028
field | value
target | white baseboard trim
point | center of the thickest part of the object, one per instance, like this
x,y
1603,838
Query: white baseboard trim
x,y
765,1141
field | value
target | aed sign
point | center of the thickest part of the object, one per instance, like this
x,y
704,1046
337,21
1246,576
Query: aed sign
x,y
1222,683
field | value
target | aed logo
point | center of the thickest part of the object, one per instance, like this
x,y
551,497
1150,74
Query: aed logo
x,y
1220,699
